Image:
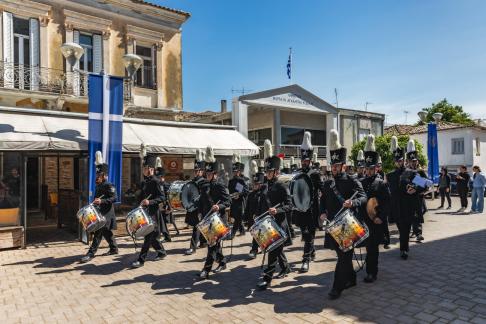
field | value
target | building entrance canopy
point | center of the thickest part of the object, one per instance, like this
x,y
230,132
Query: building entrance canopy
x,y
34,130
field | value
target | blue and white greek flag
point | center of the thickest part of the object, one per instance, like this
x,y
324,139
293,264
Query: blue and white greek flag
x,y
289,65
105,94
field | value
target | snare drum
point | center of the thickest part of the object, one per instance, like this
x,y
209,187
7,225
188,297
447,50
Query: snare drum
x,y
301,190
268,234
347,230
174,198
139,223
90,218
213,228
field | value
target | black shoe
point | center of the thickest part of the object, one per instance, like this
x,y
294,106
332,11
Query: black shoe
x,y
189,252
449,207
369,278
252,255
204,275
313,256
283,273
242,233
262,285
440,207
412,235
88,257
404,255
111,252
334,294
305,267
386,246
350,284
137,264
160,256
221,267
420,238
167,239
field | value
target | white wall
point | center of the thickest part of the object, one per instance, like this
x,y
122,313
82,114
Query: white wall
x,y
481,158
444,140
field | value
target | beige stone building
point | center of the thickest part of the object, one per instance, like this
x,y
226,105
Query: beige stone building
x,y
34,73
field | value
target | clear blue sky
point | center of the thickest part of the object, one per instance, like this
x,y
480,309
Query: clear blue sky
x,y
398,55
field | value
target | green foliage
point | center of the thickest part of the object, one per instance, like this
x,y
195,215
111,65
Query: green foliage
x,y
451,113
382,144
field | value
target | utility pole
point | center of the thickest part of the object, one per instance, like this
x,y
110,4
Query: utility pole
x,y
406,112
366,105
336,95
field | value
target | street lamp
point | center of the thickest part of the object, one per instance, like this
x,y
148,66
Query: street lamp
x,y
72,52
132,63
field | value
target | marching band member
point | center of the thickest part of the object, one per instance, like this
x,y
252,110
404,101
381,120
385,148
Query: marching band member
x,y
152,195
411,200
254,198
379,168
238,189
393,180
192,217
308,221
163,214
105,196
376,210
336,194
275,193
360,165
214,197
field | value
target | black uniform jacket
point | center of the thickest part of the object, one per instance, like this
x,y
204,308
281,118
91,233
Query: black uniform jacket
x,y
375,187
393,180
411,204
151,187
311,217
192,217
238,205
212,193
107,192
346,186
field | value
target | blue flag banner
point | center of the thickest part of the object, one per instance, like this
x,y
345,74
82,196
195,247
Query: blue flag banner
x,y
289,65
433,153
105,94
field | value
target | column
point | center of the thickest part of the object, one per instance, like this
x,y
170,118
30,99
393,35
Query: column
x,y
277,133
106,51
44,42
160,77
239,116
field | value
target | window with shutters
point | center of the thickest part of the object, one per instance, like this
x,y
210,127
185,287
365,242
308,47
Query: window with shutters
x,y
457,145
146,75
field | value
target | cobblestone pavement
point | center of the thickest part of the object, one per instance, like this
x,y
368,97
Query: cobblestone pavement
x,y
444,280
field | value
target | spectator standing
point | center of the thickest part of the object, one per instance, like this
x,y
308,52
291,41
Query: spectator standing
x,y
477,199
463,179
445,188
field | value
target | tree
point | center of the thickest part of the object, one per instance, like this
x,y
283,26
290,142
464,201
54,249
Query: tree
x,y
382,144
450,113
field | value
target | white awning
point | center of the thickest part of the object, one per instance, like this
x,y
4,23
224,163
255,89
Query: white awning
x,y
33,130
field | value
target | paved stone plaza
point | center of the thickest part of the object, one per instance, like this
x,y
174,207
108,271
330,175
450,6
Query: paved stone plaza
x,y
443,281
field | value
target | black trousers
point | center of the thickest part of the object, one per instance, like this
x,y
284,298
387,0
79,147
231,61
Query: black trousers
x,y
386,232
308,234
215,253
151,240
463,195
108,235
445,194
237,214
344,272
372,248
289,222
274,256
254,246
404,230
196,237
416,226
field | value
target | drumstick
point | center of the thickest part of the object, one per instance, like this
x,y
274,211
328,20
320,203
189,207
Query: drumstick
x,y
99,197
210,211
265,213
342,208
146,199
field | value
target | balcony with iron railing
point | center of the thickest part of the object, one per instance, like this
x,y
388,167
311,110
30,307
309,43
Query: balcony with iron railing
x,y
22,77
294,150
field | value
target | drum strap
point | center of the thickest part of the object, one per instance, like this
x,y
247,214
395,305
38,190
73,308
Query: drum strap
x,y
336,192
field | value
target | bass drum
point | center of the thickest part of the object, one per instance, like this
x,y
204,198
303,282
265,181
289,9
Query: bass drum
x,y
300,187
174,194
189,196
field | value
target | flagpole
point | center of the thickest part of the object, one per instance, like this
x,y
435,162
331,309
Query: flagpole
x,y
290,59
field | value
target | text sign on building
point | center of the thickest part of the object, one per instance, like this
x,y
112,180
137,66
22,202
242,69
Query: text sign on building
x,y
290,98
